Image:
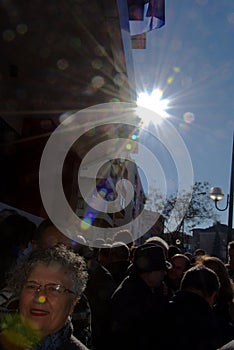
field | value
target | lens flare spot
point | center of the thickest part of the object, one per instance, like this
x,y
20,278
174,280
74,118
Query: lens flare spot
x,y
62,64
88,91
42,299
100,51
128,146
86,223
183,126
114,99
110,197
97,63
98,82
22,28
158,93
188,117
170,80
119,79
18,334
103,192
8,35
176,69
76,43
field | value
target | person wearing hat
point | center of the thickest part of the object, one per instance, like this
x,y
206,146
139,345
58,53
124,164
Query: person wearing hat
x,y
138,303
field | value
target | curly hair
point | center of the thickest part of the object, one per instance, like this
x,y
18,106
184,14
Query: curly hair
x,y
72,262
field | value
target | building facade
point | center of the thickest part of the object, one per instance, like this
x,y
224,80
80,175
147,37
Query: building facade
x,y
212,239
59,59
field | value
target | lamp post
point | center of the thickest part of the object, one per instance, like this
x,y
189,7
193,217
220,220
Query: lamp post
x,y
217,194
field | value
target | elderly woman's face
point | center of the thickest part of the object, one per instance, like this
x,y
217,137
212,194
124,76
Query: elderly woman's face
x,y
47,308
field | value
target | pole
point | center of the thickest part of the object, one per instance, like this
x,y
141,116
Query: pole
x,y
230,211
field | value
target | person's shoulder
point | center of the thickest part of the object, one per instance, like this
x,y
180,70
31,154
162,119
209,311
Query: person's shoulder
x,y
228,346
73,344
8,301
129,289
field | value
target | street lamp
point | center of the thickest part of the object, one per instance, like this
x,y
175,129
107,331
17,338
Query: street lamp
x,y
217,194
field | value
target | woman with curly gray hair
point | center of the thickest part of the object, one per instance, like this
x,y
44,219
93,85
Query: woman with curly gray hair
x,y
49,284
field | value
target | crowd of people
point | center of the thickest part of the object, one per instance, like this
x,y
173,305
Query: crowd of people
x,y
57,293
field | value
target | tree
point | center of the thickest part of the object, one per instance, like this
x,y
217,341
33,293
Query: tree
x,y
199,211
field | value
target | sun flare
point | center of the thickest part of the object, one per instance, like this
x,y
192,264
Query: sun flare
x,y
154,102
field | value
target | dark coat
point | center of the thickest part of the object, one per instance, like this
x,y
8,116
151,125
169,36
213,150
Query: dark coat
x,y
81,321
136,311
190,324
226,324
118,270
100,287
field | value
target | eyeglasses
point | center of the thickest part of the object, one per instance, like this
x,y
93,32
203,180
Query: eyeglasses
x,y
51,289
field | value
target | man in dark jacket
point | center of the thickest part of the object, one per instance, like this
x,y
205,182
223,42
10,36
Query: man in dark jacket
x,y
137,304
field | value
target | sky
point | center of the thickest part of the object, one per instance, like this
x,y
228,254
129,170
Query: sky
x,y
191,60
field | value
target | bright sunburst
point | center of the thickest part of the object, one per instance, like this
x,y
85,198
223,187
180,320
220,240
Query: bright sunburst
x,y
154,102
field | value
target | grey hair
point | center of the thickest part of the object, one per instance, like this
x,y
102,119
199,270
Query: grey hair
x,y
73,263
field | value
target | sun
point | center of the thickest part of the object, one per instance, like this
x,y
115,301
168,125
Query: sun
x,y
154,102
